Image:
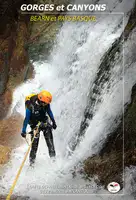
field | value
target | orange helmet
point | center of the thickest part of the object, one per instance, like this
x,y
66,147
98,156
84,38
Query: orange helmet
x,y
45,97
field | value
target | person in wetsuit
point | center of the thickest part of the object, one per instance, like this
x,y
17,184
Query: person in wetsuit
x,y
37,106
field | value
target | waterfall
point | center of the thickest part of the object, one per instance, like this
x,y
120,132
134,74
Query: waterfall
x,y
76,75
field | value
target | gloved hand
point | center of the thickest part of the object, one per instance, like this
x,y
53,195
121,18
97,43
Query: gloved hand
x,y
23,135
54,125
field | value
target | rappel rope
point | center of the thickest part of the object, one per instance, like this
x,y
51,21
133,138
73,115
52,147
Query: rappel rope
x,y
23,162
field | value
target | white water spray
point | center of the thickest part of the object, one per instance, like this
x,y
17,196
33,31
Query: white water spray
x,y
68,75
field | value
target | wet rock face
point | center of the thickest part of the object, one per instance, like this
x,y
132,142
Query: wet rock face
x,y
120,145
14,34
5,101
9,136
10,131
4,155
126,130
13,55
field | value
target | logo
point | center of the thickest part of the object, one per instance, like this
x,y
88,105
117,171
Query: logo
x,y
113,187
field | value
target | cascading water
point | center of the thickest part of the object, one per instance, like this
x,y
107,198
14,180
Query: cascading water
x,y
69,75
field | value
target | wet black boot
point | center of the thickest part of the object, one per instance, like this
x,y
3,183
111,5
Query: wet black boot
x,y
49,141
50,145
31,161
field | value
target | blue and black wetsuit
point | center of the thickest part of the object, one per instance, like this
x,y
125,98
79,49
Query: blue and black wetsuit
x,y
36,113
33,118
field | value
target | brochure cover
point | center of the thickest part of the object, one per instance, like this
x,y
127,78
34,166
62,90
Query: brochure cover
x,y
67,99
